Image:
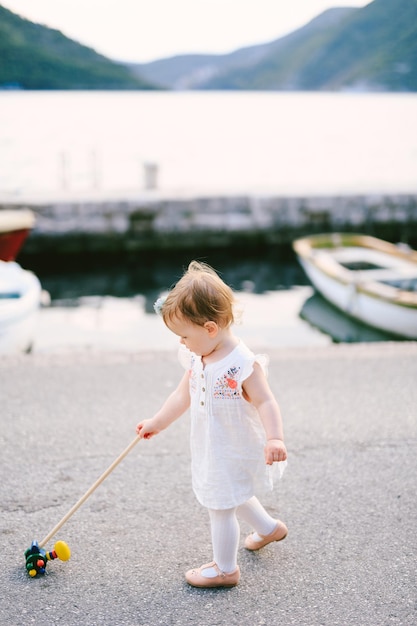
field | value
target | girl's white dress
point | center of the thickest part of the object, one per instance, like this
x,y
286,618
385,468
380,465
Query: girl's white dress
x,y
227,435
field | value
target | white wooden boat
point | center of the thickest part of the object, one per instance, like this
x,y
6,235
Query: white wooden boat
x,y
20,290
20,298
369,279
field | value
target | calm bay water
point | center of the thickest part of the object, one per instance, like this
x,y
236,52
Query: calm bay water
x,y
112,308
79,144
207,142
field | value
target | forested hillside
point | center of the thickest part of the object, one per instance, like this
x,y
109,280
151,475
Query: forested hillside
x,y
35,57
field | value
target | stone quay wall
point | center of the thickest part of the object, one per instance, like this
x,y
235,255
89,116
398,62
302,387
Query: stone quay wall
x,y
154,222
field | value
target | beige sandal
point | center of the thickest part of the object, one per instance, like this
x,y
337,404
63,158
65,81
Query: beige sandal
x,y
195,578
280,532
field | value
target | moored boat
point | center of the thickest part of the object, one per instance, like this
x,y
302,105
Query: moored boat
x,y
20,296
20,289
369,279
15,226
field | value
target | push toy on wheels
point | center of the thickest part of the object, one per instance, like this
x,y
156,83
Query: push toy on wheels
x,y
36,556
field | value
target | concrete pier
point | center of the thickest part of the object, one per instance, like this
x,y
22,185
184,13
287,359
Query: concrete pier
x,y
154,220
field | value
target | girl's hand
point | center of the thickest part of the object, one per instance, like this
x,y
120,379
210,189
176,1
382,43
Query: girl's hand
x,y
275,451
147,429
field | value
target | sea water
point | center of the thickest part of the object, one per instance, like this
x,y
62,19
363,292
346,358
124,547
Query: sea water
x,y
207,142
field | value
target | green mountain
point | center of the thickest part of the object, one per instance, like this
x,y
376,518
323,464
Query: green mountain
x,y
369,49
376,48
35,57
233,70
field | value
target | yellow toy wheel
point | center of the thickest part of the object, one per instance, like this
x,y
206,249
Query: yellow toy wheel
x,y
62,550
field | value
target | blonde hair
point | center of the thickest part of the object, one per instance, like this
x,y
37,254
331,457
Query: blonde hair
x,y
200,296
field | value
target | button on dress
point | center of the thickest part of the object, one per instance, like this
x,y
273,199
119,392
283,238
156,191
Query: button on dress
x,y
227,435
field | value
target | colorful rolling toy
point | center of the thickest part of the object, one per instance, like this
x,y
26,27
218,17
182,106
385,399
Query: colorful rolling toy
x,y
37,558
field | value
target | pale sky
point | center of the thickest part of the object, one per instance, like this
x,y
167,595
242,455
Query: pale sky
x,y
145,30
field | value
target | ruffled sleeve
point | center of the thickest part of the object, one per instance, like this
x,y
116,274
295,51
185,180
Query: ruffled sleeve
x,y
262,359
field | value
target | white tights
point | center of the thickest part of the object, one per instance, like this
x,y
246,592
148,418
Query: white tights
x,y
225,531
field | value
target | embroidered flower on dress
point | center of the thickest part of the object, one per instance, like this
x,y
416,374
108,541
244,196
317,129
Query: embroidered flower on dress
x,y
227,385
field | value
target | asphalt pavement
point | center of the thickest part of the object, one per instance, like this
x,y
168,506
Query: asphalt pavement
x,y
348,496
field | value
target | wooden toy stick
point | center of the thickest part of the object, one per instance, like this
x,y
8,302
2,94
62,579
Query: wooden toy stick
x,y
90,491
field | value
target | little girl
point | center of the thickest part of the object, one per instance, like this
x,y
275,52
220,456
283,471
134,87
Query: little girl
x,y
236,426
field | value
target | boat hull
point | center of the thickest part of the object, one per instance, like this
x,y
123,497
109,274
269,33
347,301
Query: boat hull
x,y
20,297
15,225
331,320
